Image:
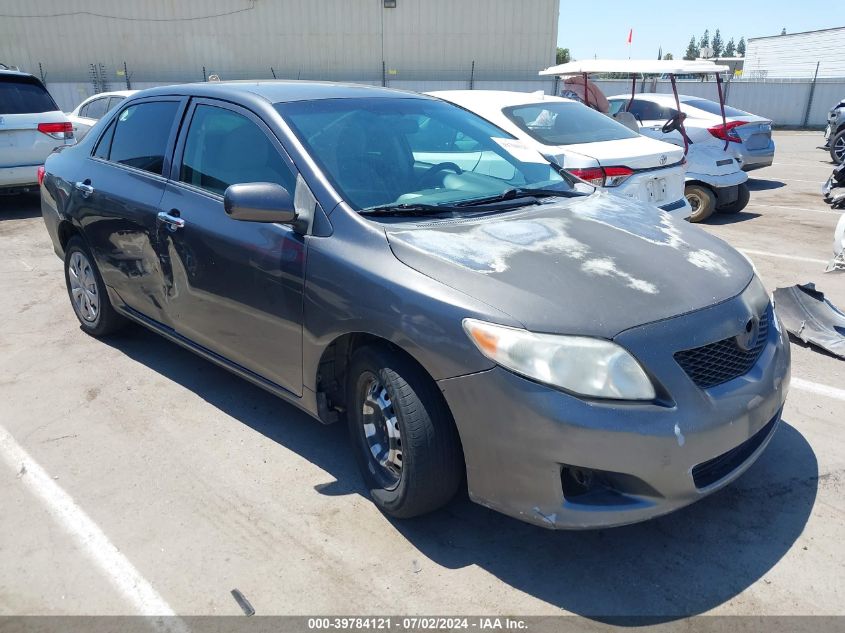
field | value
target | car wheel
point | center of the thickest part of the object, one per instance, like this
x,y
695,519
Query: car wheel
x,y
743,197
702,201
837,148
402,433
87,291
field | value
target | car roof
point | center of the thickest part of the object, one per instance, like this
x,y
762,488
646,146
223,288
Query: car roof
x,y
17,73
112,93
494,98
276,91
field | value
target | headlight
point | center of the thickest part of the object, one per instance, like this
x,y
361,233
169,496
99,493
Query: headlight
x,y
587,366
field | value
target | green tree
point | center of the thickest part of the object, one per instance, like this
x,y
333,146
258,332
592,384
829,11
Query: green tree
x,y
740,48
704,42
692,50
730,48
668,56
562,56
718,46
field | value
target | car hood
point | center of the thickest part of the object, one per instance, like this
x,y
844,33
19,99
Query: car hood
x,y
593,266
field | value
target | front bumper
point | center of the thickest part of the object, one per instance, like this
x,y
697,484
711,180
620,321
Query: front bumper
x,y
522,441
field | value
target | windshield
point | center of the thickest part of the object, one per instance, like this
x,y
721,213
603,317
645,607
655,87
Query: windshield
x,y
565,123
711,107
405,151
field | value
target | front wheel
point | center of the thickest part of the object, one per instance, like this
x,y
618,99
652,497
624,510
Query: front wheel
x,y
402,434
743,197
702,201
837,148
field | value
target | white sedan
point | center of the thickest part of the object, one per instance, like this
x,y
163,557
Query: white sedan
x,y
93,109
748,135
586,143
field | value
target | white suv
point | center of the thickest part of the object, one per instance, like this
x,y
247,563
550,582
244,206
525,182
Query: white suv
x,y
31,127
586,143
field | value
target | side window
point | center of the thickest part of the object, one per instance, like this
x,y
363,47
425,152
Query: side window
x,y
224,148
113,101
96,109
648,110
83,111
104,144
140,135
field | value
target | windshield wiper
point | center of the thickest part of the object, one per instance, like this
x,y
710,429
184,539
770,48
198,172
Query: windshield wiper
x,y
516,193
408,210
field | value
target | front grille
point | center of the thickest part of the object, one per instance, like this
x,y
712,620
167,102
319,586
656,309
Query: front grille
x,y
711,471
724,360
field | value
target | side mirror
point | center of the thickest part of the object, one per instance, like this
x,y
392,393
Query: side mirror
x,y
259,202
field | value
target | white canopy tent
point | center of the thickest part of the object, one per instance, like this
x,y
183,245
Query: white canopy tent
x,y
636,66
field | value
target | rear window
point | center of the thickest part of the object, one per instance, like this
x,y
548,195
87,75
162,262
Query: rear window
x,y
712,107
562,123
24,95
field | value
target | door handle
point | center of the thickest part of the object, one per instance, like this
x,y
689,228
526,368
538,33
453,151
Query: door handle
x,y
171,220
85,187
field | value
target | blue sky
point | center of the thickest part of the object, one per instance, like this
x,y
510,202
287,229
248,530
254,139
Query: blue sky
x,y
602,29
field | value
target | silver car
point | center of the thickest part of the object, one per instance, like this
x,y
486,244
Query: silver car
x,y
748,135
31,127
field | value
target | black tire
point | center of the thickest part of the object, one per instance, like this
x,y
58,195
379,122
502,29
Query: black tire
x,y
431,460
702,201
837,147
104,320
743,197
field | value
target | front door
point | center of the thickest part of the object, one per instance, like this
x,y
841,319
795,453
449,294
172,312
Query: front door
x,y
233,287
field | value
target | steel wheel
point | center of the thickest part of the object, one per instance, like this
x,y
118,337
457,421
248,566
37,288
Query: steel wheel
x,y
83,287
701,200
381,432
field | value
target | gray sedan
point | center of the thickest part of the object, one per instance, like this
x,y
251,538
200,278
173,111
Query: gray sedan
x,y
574,358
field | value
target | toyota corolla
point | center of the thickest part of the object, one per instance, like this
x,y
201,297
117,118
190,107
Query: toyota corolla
x,y
577,359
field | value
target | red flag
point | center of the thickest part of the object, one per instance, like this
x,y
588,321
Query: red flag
x,y
630,35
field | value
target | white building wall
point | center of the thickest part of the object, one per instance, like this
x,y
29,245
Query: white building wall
x,y
796,55
171,40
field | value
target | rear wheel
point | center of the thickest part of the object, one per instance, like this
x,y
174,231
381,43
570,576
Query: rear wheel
x,y
837,148
702,201
402,433
743,197
87,291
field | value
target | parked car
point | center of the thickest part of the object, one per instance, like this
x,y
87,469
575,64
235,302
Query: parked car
x,y
749,135
581,359
586,143
834,134
31,127
93,109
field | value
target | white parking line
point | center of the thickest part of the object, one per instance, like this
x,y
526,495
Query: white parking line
x,y
819,389
798,258
108,558
759,205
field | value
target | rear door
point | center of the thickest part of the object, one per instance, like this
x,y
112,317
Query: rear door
x,y
116,199
24,105
233,287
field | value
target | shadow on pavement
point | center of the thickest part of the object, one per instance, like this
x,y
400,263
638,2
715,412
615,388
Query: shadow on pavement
x,y
731,218
761,184
20,207
682,564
